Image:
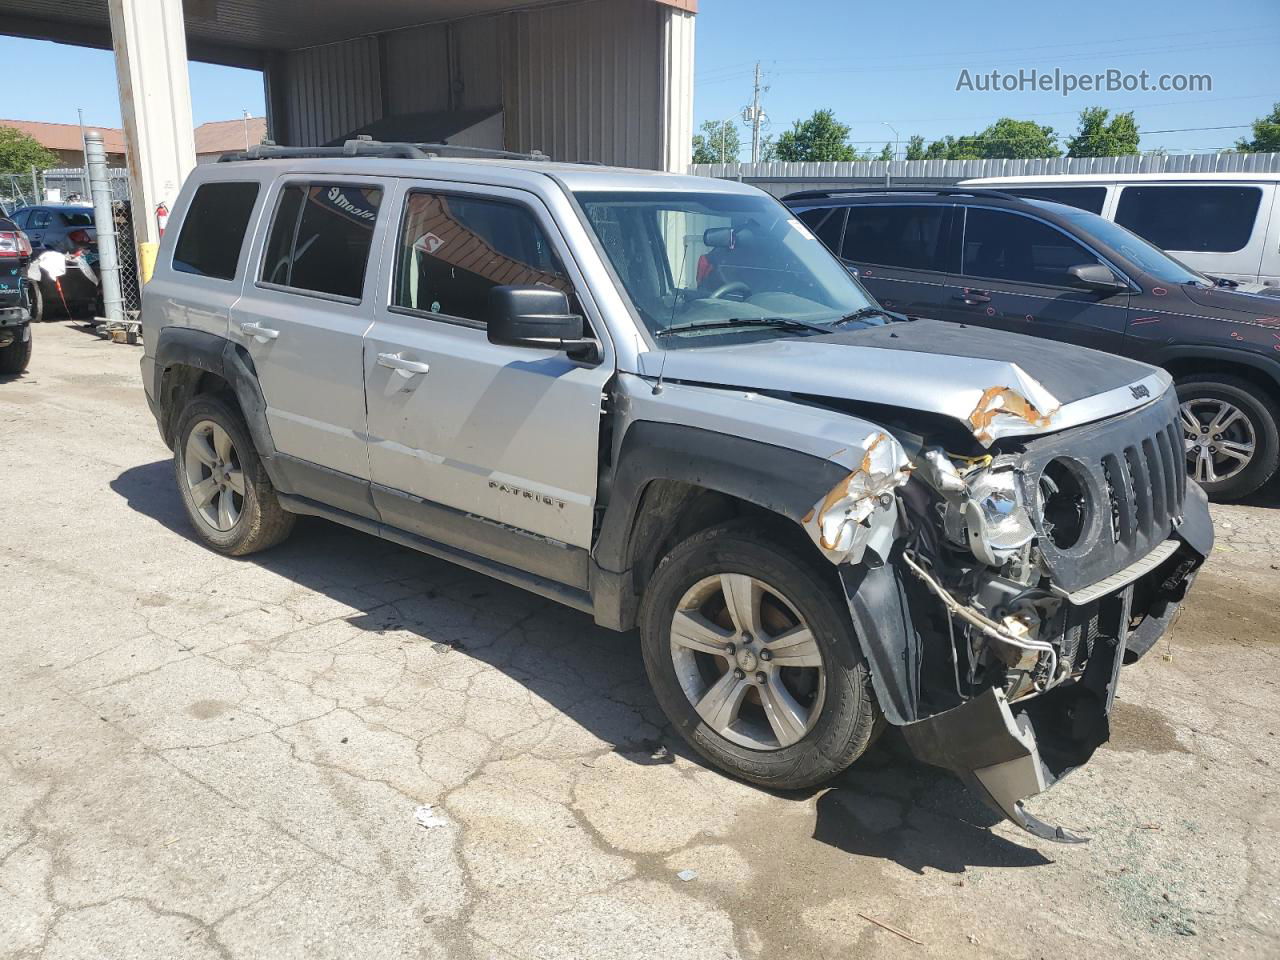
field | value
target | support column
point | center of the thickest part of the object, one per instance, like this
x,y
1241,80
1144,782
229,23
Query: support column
x,y
676,116
150,43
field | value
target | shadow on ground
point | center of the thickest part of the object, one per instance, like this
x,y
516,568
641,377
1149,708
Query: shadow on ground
x,y
887,806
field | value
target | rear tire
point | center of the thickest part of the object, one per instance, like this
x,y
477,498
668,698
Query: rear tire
x,y
1253,429
792,725
15,357
228,496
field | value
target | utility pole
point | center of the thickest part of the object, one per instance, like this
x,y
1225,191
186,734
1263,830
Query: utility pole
x,y
246,128
889,166
753,116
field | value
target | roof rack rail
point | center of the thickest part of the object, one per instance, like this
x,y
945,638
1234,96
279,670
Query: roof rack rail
x,y
936,191
366,147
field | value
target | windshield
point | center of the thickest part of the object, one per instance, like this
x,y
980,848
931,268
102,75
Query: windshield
x,y
702,267
1140,252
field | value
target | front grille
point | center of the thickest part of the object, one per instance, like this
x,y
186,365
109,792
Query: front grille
x,y
1146,494
1131,475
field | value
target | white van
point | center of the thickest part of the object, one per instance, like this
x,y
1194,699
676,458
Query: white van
x,y
1222,224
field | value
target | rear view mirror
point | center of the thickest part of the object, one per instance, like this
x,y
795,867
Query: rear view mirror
x,y
1095,276
538,317
721,237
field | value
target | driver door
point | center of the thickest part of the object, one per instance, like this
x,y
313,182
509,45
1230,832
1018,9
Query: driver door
x,y
490,448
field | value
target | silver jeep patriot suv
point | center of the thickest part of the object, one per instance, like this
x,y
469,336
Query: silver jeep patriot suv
x,y
660,400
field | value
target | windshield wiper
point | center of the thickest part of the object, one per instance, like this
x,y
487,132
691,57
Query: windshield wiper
x,y
781,323
863,313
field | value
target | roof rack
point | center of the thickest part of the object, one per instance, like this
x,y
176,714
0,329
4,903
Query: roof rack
x,y
364,146
936,191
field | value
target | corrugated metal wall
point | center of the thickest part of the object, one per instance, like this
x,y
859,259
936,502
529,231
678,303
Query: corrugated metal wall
x,y
583,81
592,80
780,179
332,89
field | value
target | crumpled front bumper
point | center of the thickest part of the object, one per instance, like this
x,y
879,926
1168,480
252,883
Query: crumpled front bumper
x,y
1009,752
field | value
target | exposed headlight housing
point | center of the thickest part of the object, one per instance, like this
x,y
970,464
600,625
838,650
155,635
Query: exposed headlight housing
x,y
997,523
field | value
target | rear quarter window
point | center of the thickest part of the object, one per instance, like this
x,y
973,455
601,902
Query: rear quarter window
x,y
1201,219
214,228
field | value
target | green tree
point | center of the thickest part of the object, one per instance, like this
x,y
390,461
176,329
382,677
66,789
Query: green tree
x,y
1019,139
717,143
820,138
955,148
915,148
1098,138
19,153
768,149
886,153
1266,134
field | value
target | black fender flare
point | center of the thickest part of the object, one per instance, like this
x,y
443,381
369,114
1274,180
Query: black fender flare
x,y
230,361
1169,353
782,481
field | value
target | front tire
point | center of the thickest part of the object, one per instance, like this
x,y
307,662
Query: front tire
x,y
228,497
1232,432
751,653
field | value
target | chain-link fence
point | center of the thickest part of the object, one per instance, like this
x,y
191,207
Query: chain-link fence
x,y
73,181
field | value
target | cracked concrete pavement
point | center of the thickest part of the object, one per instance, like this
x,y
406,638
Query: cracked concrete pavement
x,y
205,757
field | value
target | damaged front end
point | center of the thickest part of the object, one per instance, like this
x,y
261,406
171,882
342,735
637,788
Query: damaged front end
x,y
996,591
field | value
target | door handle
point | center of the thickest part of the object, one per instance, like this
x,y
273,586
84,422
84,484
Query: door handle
x,y
406,368
251,328
973,297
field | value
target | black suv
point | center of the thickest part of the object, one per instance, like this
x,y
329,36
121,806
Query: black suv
x,y
15,297
1030,266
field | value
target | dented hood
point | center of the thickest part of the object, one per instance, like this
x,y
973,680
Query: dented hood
x,y
998,384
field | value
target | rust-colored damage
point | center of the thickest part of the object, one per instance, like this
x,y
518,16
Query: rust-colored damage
x,y
1004,401
854,498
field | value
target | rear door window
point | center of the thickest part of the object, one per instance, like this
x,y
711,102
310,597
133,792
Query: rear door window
x,y
213,230
20,218
908,237
827,225
453,250
1017,248
320,238
1086,198
1203,219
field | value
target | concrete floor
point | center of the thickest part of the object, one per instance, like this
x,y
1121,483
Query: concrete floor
x,y
205,757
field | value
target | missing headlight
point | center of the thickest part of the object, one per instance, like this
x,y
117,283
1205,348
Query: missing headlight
x,y
1064,504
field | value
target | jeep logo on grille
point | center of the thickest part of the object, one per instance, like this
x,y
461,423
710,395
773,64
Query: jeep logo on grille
x,y
1139,391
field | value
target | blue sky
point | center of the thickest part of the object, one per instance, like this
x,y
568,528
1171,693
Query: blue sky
x,y
871,63
80,77
899,62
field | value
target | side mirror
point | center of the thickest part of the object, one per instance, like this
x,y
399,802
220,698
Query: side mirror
x,y
1095,276
538,317
853,271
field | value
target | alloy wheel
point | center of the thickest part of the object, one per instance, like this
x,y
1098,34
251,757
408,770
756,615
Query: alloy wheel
x,y
215,479
747,661
1220,439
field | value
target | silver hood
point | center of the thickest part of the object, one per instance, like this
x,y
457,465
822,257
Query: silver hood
x,y
998,384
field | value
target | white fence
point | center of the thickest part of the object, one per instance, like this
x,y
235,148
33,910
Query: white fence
x,y
783,178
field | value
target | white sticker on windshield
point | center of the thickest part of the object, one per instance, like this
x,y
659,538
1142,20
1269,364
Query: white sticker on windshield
x,y
804,231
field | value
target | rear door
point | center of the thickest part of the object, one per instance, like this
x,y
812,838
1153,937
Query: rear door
x,y
490,448
1013,276
303,319
903,253
1216,228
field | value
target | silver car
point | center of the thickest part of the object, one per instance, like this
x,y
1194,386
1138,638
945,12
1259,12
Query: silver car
x,y
660,400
